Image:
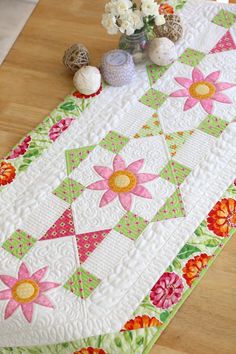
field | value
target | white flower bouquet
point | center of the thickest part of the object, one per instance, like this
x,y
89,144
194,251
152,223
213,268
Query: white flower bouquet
x,y
126,17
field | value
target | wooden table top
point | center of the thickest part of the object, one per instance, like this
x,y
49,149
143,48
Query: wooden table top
x,y
32,82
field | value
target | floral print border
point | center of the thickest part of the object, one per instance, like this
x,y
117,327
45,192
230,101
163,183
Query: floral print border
x,y
39,139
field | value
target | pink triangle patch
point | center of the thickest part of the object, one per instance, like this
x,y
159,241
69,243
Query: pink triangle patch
x,y
224,44
64,226
86,243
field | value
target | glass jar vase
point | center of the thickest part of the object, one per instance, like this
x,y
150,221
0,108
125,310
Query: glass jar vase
x,y
136,45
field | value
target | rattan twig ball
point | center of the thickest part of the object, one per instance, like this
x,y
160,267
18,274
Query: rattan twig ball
x,y
75,57
172,29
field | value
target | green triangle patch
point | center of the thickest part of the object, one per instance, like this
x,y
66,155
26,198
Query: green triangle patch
x,y
173,208
151,128
75,156
155,72
174,172
175,140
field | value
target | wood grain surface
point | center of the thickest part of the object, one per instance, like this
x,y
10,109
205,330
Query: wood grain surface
x,y
32,82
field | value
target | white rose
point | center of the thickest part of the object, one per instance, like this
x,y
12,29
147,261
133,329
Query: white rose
x,y
137,19
160,20
149,8
127,24
109,22
110,7
122,6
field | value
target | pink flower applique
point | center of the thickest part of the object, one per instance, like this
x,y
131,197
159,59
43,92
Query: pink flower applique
x,y
57,129
122,181
25,291
202,89
20,149
167,291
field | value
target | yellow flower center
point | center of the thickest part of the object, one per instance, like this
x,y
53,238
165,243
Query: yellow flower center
x,y
25,290
202,90
122,181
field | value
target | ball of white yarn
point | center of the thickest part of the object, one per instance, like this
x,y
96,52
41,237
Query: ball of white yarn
x,y
87,80
162,51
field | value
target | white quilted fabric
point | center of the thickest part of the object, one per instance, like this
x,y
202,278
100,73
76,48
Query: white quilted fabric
x,y
126,268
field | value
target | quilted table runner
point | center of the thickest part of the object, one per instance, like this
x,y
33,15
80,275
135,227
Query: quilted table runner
x,y
113,207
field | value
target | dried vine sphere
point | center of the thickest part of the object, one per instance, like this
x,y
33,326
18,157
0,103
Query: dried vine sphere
x,y
75,57
172,29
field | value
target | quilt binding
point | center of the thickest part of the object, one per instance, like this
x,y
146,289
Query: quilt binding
x,y
81,104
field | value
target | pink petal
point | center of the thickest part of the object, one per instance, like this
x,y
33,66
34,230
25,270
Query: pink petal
x,y
99,185
197,75
28,310
8,280
141,191
213,76
180,93
10,308
107,197
47,285
5,294
146,177
221,86
167,303
183,81
118,163
104,172
159,295
190,103
160,302
207,105
23,272
125,200
135,166
39,274
220,97
43,300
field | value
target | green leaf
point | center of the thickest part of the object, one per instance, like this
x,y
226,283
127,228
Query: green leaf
x,y
198,231
118,342
139,340
128,336
64,345
164,315
99,341
68,106
32,152
33,144
169,269
39,129
176,263
23,167
26,161
186,251
211,243
148,306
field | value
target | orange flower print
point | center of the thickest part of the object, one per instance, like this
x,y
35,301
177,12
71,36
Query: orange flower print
x,y
166,9
194,266
141,322
222,218
7,173
90,350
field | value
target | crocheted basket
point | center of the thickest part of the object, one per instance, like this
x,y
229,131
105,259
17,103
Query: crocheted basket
x,y
75,57
172,29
